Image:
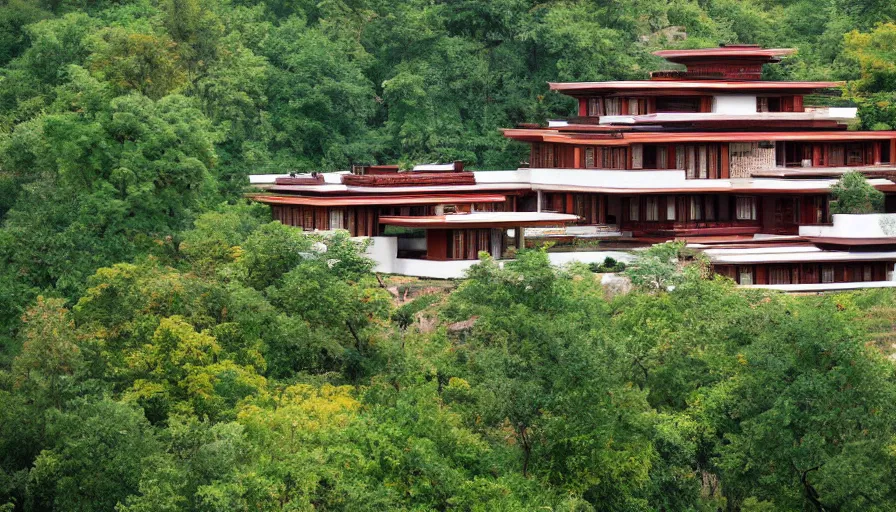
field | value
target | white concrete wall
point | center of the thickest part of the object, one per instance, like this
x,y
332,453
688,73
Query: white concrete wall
x,y
734,104
562,258
448,269
384,249
872,225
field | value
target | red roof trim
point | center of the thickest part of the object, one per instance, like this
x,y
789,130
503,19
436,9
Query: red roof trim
x,y
726,52
378,200
696,85
439,222
851,241
627,138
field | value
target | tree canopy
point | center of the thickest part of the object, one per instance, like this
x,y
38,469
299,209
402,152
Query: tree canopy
x,y
165,347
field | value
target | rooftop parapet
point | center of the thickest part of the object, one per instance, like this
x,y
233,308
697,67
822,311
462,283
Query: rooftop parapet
x,y
727,62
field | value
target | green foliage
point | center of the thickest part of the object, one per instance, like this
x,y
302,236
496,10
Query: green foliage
x,y
201,385
664,266
50,359
608,265
93,458
852,194
163,347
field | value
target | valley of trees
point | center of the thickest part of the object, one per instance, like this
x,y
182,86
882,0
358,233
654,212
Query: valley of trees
x,y
165,347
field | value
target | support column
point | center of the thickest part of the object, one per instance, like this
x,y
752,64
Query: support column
x,y
519,238
725,172
539,196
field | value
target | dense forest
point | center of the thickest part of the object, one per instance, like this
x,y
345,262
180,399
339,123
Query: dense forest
x,y
165,347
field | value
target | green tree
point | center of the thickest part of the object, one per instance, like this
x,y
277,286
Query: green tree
x,y
663,266
115,177
94,459
136,61
852,194
807,406
47,367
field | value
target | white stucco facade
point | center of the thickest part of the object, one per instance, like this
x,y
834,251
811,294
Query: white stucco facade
x,y
736,104
384,250
872,225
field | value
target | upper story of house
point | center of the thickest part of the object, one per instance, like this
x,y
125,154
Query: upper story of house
x,y
716,118
724,81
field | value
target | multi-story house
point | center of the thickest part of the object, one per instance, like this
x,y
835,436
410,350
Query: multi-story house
x,y
738,166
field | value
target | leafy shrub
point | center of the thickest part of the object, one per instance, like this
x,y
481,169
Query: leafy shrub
x,y
852,194
609,265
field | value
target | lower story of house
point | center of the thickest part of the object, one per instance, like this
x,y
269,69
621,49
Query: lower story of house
x,y
656,215
416,239
807,273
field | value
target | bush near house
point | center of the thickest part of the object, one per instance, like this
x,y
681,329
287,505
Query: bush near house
x,y
852,194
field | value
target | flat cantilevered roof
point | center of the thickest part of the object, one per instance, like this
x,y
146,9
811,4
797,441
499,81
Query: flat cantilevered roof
x,y
403,200
481,220
689,85
626,138
726,52
801,254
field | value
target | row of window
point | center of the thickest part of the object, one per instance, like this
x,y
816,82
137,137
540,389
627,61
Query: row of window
x,y
615,106
698,208
704,161
466,244
800,154
785,274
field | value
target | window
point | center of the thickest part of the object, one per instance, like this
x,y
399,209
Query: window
x,y
678,104
456,244
779,275
614,158
542,156
637,156
637,106
766,104
661,156
746,208
612,106
691,162
595,107
741,149
854,154
634,209
866,273
837,157
589,158
670,208
702,167
308,219
696,208
745,275
336,218
578,205
710,211
698,161
652,209
827,273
